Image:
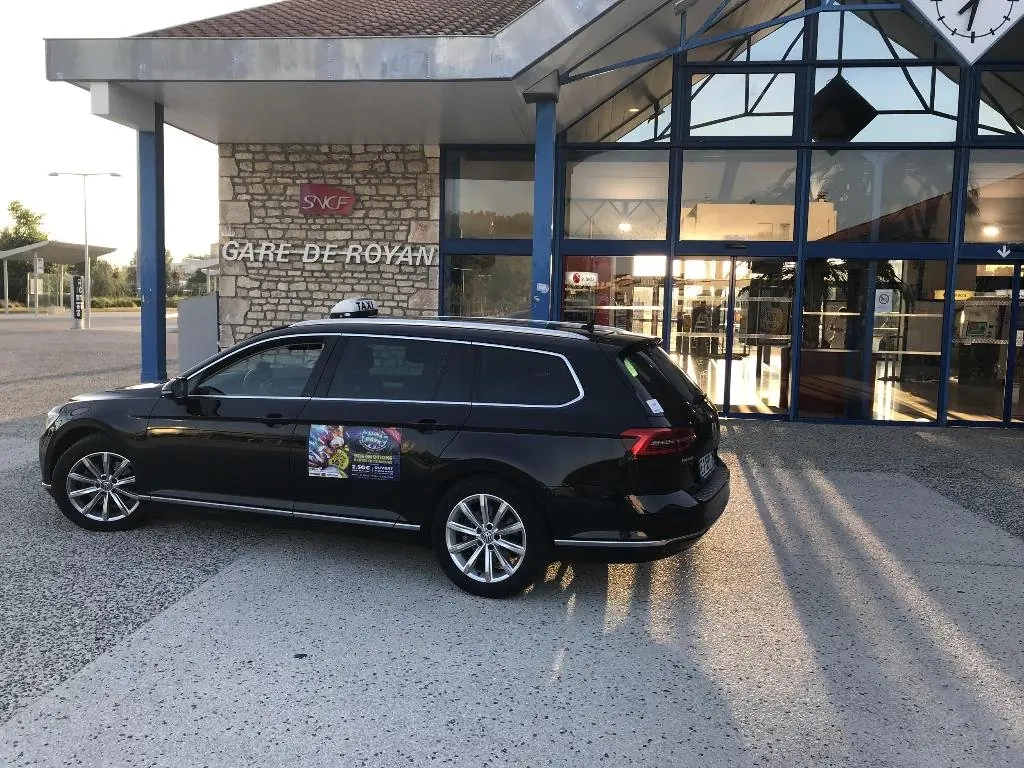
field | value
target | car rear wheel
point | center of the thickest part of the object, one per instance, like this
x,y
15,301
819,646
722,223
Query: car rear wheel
x,y
489,537
94,486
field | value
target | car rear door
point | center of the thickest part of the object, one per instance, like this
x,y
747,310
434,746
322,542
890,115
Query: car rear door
x,y
230,441
387,408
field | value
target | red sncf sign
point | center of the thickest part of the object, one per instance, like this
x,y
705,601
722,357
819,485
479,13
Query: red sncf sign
x,y
325,200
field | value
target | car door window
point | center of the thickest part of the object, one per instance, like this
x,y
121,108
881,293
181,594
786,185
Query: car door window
x,y
281,370
385,368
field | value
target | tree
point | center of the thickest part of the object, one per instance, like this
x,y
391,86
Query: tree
x,y
171,275
107,280
196,283
26,230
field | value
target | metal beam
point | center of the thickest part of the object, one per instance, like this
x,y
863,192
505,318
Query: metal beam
x,y
118,104
150,264
544,170
696,41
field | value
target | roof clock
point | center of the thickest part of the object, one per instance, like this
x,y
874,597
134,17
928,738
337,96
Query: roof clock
x,y
971,26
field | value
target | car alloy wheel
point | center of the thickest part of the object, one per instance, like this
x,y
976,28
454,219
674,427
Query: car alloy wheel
x,y
101,487
486,538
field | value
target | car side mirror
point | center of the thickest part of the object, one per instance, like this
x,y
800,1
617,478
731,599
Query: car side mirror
x,y
176,389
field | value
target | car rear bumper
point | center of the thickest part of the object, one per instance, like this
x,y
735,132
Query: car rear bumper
x,y
660,525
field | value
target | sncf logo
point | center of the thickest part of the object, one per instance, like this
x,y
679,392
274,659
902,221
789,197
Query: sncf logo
x,y
325,200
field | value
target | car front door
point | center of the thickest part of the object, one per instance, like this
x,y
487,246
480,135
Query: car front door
x,y
385,411
229,442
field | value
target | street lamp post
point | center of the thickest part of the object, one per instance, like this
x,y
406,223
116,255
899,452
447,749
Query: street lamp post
x,y
87,304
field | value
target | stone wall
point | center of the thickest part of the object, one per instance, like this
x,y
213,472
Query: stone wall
x,y
397,192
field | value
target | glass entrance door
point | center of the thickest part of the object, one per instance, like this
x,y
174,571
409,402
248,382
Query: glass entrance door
x,y
986,381
730,330
701,298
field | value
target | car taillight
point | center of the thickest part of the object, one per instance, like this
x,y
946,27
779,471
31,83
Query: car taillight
x,y
658,441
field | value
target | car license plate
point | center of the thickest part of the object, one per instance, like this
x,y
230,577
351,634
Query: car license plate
x,y
706,465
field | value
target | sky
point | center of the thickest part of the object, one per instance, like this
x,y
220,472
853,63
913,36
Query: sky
x,y
48,127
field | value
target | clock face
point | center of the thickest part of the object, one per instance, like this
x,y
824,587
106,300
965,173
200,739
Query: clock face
x,y
971,26
966,19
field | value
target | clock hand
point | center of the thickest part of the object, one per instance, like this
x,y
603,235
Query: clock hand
x,y
972,6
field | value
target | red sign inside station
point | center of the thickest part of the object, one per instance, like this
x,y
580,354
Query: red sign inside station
x,y
325,200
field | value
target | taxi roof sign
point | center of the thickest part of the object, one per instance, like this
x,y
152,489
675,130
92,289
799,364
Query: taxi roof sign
x,y
355,308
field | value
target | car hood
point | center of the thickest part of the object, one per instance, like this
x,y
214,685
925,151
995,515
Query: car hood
x,y
134,392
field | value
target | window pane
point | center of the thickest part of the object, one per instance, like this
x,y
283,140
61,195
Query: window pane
x,y
742,104
1002,104
488,286
884,35
981,338
640,112
279,371
885,104
389,369
488,194
995,209
626,292
872,339
880,196
617,195
738,194
516,377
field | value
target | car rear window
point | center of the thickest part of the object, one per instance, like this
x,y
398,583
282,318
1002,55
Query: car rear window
x,y
661,384
507,376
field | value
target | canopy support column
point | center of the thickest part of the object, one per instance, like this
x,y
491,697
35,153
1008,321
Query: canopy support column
x,y
152,278
544,169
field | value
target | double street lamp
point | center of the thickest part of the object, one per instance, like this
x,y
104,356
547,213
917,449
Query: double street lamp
x,y
87,304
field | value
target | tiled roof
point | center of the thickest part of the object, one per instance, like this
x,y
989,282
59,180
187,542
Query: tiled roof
x,y
358,18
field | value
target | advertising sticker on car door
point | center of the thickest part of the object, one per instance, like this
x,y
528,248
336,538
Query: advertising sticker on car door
x,y
356,453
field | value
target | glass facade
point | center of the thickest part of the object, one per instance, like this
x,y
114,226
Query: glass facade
x,y
822,217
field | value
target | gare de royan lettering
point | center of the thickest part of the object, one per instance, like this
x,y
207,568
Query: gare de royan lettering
x,y
270,252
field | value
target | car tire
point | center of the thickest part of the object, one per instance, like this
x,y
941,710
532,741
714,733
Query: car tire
x,y
489,537
93,483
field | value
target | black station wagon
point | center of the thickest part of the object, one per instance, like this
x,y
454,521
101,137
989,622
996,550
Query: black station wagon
x,y
499,440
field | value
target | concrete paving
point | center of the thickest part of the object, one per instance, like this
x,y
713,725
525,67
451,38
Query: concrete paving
x,y
859,604
43,362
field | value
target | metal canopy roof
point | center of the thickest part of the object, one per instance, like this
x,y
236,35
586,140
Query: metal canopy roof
x,y
417,89
54,252
413,89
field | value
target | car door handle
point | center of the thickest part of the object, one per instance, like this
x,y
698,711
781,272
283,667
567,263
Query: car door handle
x,y
426,424
274,419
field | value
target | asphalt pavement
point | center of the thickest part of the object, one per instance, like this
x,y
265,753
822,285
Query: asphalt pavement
x,y
860,603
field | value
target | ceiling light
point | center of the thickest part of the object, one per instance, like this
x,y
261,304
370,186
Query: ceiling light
x,y
625,226
634,110
990,231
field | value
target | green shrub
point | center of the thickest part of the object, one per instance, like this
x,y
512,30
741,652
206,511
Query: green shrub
x,y
114,302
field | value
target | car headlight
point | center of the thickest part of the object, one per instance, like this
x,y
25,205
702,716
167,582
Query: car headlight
x,y
52,416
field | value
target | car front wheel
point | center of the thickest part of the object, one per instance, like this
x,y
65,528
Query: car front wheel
x,y
94,486
489,538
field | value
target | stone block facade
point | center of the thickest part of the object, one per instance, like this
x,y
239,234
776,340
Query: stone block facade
x,y
397,189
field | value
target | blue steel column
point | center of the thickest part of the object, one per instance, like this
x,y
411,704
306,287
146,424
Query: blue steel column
x,y
801,214
961,181
1011,348
150,263
543,206
680,111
